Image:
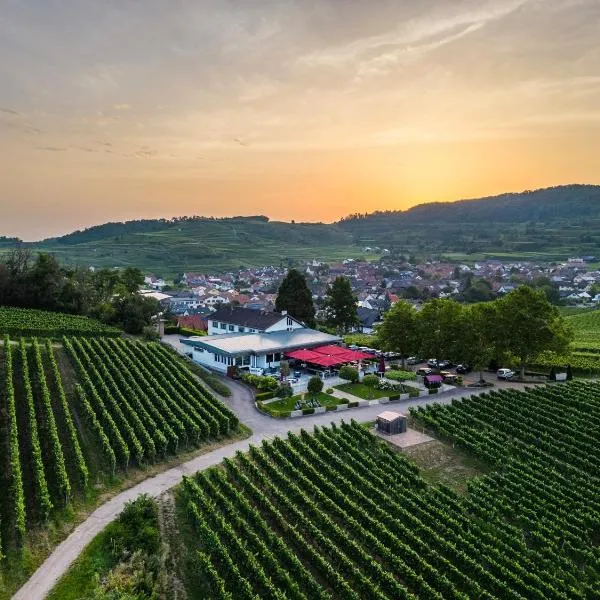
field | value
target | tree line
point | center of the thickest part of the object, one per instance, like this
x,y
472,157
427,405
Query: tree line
x,y
518,326
110,295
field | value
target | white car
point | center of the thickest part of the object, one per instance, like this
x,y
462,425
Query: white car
x,y
505,374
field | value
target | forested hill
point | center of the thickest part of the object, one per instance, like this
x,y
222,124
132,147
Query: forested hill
x,y
552,223
574,203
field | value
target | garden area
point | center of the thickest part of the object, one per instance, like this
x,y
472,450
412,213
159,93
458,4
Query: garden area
x,y
306,402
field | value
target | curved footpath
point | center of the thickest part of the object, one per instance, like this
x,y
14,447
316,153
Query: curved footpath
x,y
263,427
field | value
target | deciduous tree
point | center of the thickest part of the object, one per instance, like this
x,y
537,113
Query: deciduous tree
x,y
399,330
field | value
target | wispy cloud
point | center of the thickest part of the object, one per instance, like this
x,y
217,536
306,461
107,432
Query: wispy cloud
x,y
10,111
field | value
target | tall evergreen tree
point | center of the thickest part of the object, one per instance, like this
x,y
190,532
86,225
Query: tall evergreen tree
x,y
295,297
340,305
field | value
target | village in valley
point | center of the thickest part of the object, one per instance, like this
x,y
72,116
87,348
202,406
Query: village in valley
x,y
192,297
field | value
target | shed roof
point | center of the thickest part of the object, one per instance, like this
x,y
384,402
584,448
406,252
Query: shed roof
x,y
390,416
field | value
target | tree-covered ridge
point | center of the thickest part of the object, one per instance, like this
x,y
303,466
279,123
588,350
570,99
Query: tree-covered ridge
x,y
543,205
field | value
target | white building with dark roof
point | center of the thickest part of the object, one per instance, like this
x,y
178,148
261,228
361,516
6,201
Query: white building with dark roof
x,y
260,350
235,319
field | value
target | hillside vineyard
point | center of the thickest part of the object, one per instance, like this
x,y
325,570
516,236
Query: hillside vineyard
x,y
66,422
338,514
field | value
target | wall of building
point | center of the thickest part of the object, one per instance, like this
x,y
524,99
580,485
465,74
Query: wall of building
x,y
226,328
221,363
285,324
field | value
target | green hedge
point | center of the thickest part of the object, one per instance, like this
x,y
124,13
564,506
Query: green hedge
x,y
171,329
398,375
265,396
189,332
330,408
352,404
308,411
394,397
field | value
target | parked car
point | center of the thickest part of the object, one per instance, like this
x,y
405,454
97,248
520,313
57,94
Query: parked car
x,y
256,370
462,369
413,360
424,371
505,374
448,377
444,364
432,363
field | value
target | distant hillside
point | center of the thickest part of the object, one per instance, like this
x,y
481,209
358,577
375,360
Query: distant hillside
x,y
552,223
167,247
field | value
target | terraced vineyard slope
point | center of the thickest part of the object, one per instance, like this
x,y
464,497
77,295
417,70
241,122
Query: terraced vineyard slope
x,y
585,349
338,514
41,323
83,417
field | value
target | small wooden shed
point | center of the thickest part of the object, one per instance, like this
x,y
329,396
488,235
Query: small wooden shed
x,y
391,422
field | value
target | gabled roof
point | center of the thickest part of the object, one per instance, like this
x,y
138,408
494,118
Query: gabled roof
x,y
247,317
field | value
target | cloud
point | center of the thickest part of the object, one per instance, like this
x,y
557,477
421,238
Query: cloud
x,y
427,32
122,107
10,111
51,148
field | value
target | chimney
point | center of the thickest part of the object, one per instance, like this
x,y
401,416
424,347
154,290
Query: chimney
x,y
283,313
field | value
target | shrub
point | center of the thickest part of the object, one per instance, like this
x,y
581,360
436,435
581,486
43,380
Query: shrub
x,y
393,397
433,390
353,404
171,329
315,385
285,391
349,373
330,407
329,391
308,411
150,333
265,395
189,332
401,375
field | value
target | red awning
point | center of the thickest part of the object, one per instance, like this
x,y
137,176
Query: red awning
x,y
305,355
330,350
327,361
329,356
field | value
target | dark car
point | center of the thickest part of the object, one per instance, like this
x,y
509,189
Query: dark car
x,y
444,364
432,363
462,369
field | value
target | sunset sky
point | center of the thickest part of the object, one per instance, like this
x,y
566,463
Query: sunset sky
x,y
298,109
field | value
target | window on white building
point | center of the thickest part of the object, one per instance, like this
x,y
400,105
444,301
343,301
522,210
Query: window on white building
x,y
231,328
241,329
223,326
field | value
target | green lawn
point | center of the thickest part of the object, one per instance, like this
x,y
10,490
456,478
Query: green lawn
x,y
360,390
280,408
364,392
